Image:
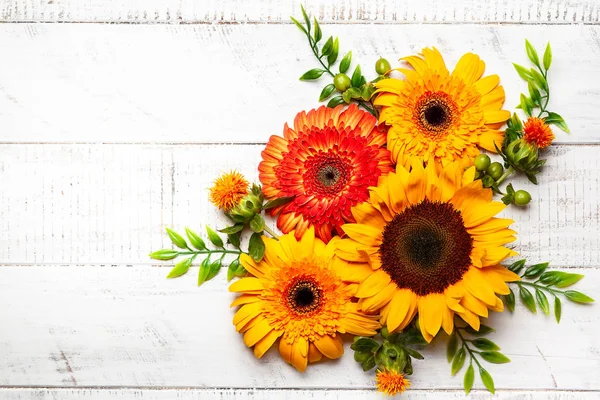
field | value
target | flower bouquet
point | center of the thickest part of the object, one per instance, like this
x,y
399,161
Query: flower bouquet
x,y
391,232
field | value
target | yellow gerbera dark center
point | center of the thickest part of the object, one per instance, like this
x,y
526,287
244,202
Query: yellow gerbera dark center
x,y
303,296
434,113
426,248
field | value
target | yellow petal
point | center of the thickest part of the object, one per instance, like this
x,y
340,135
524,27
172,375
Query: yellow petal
x,y
247,310
256,333
373,284
365,213
364,234
314,354
430,312
399,307
471,319
378,300
246,285
496,116
330,347
487,84
245,299
469,68
265,343
285,349
300,354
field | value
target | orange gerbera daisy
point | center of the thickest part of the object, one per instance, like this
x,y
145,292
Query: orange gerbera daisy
x,y
537,132
228,190
441,117
296,294
326,164
428,244
391,382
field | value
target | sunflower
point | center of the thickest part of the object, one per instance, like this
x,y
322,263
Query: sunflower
x,y
537,132
228,189
325,164
391,382
440,116
428,243
296,295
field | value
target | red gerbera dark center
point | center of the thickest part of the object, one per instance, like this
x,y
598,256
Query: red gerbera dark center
x,y
327,173
426,248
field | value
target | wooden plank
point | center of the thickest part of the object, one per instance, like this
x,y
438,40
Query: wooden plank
x,y
279,394
239,83
118,326
109,204
387,11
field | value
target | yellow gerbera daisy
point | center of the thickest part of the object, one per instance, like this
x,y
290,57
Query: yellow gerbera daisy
x,y
441,117
428,243
297,294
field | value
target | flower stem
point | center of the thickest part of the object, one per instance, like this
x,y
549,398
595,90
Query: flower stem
x,y
465,345
270,232
506,174
196,252
536,286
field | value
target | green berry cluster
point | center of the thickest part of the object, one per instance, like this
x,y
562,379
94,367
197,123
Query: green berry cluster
x,y
492,174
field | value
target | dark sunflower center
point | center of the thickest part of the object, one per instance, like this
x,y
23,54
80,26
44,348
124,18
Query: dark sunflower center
x,y
304,296
426,248
435,112
329,175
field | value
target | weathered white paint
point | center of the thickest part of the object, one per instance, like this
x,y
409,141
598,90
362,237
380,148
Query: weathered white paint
x,y
408,11
129,326
239,83
280,394
109,204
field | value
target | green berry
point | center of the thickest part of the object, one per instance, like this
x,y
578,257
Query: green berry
x,y
482,162
495,170
522,198
382,66
341,82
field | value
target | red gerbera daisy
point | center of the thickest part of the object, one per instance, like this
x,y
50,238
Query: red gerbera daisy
x,y
326,163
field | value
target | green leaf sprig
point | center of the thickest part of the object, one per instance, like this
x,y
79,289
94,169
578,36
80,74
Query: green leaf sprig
x,y
543,283
348,89
461,345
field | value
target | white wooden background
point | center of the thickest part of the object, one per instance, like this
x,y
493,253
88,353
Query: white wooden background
x,y
113,124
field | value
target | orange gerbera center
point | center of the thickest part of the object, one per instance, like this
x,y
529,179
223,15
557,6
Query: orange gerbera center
x,y
434,113
537,132
391,382
426,248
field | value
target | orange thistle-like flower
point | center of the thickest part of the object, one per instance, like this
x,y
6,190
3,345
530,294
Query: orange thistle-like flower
x,y
326,164
228,190
391,382
537,132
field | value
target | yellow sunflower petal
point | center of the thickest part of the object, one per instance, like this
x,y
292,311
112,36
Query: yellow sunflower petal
x,y
399,307
373,284
430,312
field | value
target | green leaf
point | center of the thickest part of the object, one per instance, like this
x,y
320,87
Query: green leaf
x,y
318,34
257,223
483,330
356,77
345,63
539,80
327,47
232,269
327,91
452,347
527,298
414,354
332,57
487,380
547,57
535,95
535,270
485,344
232,229
494,357
204,271
164,254
557,309
214,269
469,379
312,74
526,105
567,279
369,363
517,266
234,239
523,72
550,278
278,201
531,53
365,344
577,297
335,101
306,19
458,361
214,237
195,240
177,239
555,119
180,268
510,300
256,247
347,96
542,301
299,25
